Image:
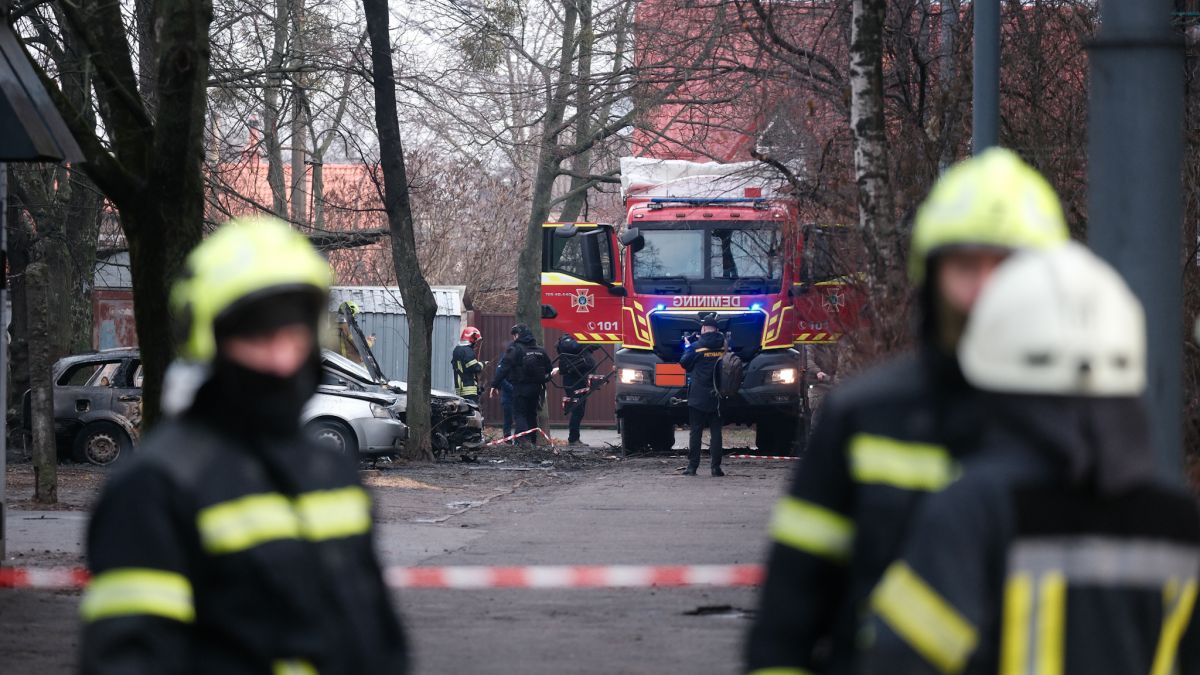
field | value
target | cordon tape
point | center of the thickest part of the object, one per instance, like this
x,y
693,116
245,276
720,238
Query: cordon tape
x,y
475,577
523,433
760,457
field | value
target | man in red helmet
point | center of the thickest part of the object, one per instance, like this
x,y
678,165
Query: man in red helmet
x,y
467,366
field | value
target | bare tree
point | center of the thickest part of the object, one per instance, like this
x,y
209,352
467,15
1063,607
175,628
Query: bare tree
x,y
419,304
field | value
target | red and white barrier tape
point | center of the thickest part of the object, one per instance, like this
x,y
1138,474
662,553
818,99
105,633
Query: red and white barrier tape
x,y
534,576
523,433
761,457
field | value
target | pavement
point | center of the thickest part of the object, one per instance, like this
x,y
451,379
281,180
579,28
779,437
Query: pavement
x,y
635,511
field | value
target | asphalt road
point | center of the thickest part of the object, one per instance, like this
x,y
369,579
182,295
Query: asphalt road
x,y
637,511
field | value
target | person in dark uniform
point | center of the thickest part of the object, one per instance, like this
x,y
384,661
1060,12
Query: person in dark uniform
x,y
231,543
576,365
466,364
527,367
895,434
506,388
704,403
1059,549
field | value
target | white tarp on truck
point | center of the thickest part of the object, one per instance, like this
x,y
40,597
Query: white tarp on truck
x,y
646,177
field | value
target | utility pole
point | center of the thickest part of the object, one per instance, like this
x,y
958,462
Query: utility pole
x,y
1134,161
985,87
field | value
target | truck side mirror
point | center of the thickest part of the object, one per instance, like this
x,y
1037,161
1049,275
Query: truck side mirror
x,y
618,291
549,312
632,239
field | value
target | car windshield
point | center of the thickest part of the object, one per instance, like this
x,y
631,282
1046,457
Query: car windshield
x,y
745,254
670,255
343,363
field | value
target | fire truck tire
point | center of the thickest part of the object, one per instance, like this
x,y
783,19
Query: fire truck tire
x,y
779,436
661,436
633,433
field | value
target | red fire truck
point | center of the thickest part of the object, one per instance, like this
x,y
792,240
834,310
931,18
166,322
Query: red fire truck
x,y
700,238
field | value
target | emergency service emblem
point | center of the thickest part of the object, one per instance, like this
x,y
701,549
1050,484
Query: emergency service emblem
x,y
833,302
584,300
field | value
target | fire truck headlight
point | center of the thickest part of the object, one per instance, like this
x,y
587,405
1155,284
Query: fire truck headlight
x,y
632,376
783,376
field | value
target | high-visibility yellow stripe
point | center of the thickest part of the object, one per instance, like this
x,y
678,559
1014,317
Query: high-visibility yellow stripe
x,y
247,522
129,591
1051,620
293,667
473,362
1178,603
332,514
781,671
1018,605
923,619
902,464
254,520
812,529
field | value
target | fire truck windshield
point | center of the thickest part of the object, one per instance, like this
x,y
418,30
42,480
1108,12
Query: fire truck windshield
x,y
670,255
722,257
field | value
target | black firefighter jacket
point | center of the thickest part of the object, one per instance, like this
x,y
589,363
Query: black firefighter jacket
x,y
1056,552
884,441
513,365
467,369
214,554
702,370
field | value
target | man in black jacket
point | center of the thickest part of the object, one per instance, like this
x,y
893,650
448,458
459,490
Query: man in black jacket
x,y
526,366
575,364
232,544
1058,550
894,435
700,360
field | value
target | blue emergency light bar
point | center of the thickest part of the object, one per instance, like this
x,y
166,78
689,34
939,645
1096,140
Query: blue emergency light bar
x,y
702,200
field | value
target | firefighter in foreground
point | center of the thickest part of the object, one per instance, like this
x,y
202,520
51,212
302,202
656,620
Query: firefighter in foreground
x,y
892,436
527,367
700,360
1058,550
576,365
466,364
232,544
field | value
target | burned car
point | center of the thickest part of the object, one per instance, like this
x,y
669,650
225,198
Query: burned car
x,y
98,411
457,422
97,404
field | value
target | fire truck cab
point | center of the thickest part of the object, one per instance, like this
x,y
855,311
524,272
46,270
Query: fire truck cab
x,y
698,239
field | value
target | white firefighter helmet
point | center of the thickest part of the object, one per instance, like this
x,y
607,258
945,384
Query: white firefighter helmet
x,y
1056,321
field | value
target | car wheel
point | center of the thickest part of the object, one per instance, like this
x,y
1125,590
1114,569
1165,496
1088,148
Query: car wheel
x,y
633,433
662,437
778,436
101,443
334,435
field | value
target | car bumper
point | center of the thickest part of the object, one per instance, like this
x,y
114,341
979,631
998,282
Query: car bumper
x,y
379,436
757,398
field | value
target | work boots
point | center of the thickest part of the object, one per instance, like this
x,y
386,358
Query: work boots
x,y
690,470
716,470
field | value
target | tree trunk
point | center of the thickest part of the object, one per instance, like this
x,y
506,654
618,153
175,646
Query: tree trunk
x,y
581,163
869,134
45,455
419,303
298,197
271,111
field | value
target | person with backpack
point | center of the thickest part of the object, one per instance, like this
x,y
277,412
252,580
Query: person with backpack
x,y
576,366
700,359
527,367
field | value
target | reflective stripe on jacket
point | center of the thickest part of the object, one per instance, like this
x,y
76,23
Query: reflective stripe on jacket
x,y
467,369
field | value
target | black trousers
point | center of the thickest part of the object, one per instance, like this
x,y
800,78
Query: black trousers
x,y
575,420
525,411
697,420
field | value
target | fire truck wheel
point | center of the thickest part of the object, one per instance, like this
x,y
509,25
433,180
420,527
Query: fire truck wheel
x,y
633,433
661,436
776,436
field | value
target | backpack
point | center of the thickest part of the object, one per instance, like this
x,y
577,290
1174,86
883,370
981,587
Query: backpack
x,y
533,367
730,372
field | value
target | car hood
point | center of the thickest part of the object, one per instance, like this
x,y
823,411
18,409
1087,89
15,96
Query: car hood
x,y
381,399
